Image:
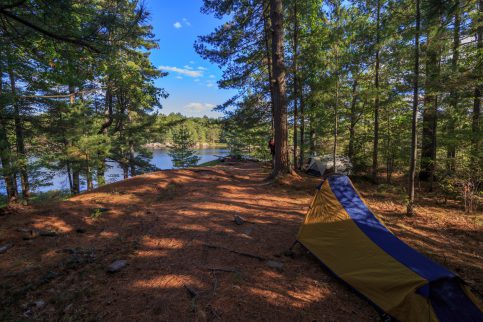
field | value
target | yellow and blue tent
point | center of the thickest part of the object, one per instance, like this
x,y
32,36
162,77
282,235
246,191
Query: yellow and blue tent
x,y
341,231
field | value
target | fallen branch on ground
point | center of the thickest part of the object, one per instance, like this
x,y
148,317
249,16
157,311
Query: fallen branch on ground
x,y
235,251
222,269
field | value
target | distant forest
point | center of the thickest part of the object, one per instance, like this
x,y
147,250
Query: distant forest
x,y
203,130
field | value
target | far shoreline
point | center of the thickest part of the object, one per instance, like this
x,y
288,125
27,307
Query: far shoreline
x,y
203,145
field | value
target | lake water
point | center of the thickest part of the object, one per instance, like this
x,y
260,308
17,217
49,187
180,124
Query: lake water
x,y
161,159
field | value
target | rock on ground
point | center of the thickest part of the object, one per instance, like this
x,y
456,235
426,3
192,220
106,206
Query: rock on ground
x,y
4,248
116,266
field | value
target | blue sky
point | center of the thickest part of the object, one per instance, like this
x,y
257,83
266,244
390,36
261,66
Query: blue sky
x,y
191,82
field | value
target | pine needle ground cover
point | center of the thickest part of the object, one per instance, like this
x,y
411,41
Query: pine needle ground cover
x,y
174,251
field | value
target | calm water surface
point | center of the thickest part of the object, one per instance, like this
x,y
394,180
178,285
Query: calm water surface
x,y
114,173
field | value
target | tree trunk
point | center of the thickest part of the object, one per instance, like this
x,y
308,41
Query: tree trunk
x,y
389,167
302,129
125,170
19,137
428,152
433,142
376,103
389,148
90,184
336,105
15,183
266,30
476,131
108,119
69,176
5,152
131,152
428,149
132,164
65,146
412,161
451,144
311,136
295,83
75,181
353,120
476,160
336,122
6,164
101,172
282,165
75,164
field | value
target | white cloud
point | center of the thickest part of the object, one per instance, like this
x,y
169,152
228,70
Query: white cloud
x,y
192,62
182,71
187,67
201,68
200,107
177,25
212,76
186,22
210,83
179,77
197,80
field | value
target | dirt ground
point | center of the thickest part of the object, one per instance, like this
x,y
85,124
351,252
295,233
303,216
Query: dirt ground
x,y
176,231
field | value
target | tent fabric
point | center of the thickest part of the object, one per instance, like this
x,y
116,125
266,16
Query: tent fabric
x,y
316,167
322,165
341,231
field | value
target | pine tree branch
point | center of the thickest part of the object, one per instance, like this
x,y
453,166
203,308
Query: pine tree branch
x,y
87,91
12,5
67,39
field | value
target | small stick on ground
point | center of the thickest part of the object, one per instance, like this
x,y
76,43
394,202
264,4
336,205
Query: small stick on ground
x,y
191,291
215,282
235,252
223,269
